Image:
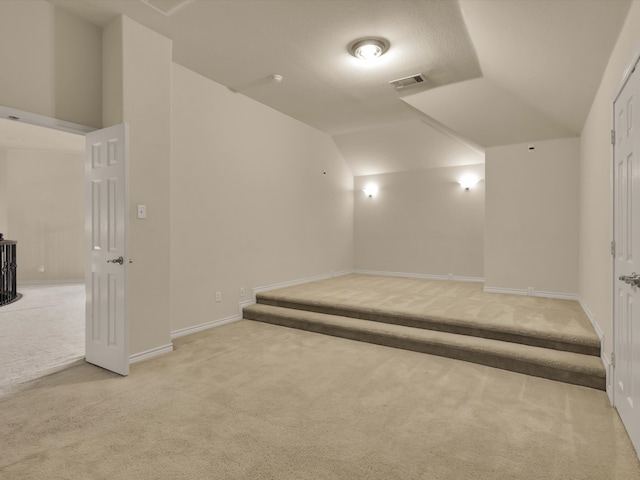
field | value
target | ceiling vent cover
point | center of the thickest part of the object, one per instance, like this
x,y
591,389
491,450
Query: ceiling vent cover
x,y
409,81
166,7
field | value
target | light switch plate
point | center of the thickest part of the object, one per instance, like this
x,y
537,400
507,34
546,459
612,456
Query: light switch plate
x,y
142,211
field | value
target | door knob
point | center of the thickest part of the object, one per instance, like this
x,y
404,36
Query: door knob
x,y
633,279
119,260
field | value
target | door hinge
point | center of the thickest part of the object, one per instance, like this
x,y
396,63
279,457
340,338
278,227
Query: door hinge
x,y
613,359
613,248
613,137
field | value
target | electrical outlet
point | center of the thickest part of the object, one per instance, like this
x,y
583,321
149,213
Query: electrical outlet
x,y
450,276
242,291
40,268
218,296
530,291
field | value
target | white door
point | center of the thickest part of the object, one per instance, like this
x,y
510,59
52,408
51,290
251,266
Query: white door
x,y
627,257
106,261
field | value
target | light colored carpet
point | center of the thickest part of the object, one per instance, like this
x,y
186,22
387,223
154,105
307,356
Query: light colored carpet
x,y
579,369
250,400
40,333
458,303
549,338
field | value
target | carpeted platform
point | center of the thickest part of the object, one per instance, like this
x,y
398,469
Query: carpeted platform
x,y
543,337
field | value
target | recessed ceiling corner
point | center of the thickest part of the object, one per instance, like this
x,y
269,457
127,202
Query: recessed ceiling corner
x,y
166,7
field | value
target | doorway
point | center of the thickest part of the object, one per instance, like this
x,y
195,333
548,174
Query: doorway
x,y
42,206
626,263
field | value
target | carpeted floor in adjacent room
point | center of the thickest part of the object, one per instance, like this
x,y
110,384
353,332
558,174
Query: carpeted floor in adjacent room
x,y
257,401
41,333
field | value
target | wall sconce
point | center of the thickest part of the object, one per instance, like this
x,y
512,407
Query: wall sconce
x,y
371,190
468,181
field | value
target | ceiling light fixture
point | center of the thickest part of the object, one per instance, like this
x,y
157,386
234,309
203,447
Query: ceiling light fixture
x,y
369,48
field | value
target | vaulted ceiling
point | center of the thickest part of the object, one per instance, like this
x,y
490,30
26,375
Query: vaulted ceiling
x,y
497,71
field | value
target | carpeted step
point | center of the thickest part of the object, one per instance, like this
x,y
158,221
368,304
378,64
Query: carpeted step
x,y
568,367
587,345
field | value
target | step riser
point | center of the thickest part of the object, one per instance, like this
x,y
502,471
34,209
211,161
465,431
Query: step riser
x,y
432,325
481,358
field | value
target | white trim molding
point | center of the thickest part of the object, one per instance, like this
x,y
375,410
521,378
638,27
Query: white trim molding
x,y
49,282
425,276
154,352
300,281
41,120
608,367
245,303
592,319
603,355
532,293
205,326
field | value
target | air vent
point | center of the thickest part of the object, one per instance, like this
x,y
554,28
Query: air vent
x,y
410,81
166,7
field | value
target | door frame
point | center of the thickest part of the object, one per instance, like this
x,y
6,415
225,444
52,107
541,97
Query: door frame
x,y
43,121
629,69
611,371
62,125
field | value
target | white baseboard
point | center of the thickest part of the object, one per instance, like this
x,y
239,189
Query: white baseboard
x,y
154,352
603,355
608,367
592,318
300,281
205,326
48,282
245,303
341,273
535,293
424,276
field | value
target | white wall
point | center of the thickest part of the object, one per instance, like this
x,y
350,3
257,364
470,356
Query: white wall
x,y
595,275
53,66
257,198
531,230
45,213
138,91
421,222
51,62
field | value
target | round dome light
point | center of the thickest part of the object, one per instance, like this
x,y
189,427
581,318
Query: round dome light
x,y
369,48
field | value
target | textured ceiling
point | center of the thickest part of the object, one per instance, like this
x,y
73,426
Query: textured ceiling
x,y
542,63
240,44
498,71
